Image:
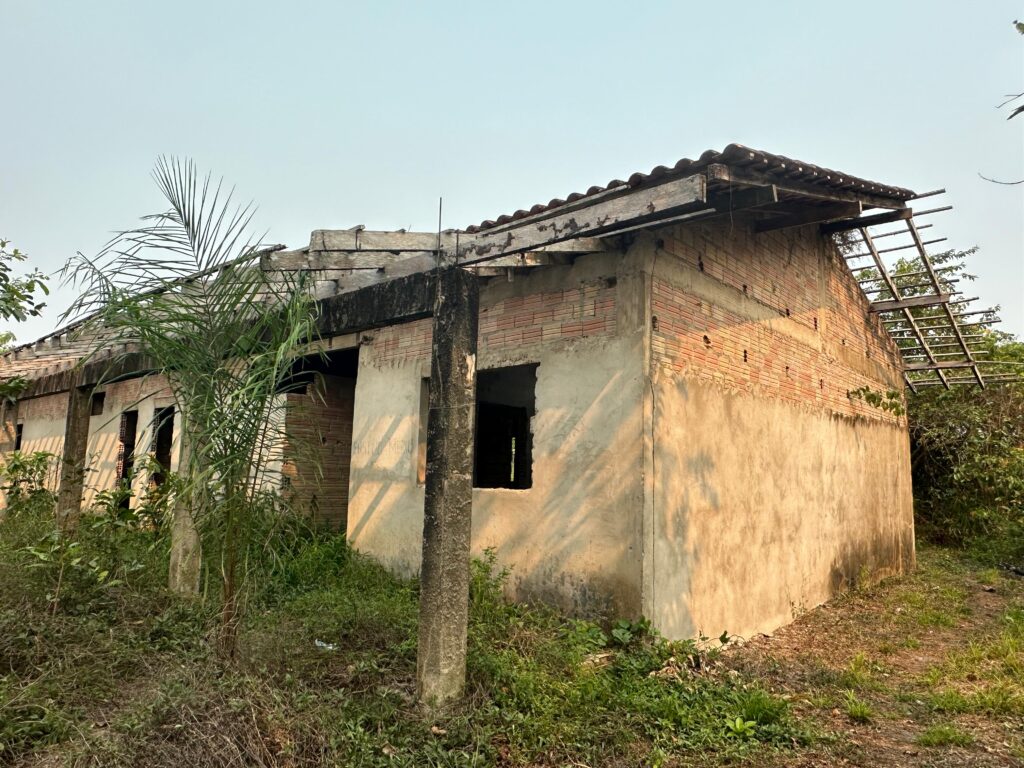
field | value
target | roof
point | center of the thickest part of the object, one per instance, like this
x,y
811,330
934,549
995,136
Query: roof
x,y
734,164
777,167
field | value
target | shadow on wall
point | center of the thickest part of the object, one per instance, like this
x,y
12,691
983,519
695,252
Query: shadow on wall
x,y
573,538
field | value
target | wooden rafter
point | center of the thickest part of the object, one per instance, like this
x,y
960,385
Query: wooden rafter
x,y
932,342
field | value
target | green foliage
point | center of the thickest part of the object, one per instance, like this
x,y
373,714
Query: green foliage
x,y
23,480
110,547
968,457
18,294
740,728
891,400
967,444
187,288
326,668
858,710
944,735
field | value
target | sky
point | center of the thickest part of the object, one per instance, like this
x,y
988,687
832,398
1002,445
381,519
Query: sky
x,y
334,114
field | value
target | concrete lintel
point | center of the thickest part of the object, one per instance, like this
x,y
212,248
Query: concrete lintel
x,y
394,301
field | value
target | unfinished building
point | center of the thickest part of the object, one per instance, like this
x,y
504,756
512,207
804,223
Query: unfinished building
x,y
667,419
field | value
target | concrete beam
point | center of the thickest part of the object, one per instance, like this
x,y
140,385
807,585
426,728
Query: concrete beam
x,y
394,301
447,514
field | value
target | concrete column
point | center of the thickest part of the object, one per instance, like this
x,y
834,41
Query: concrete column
x,y
186,547
9,419
72,468
447,517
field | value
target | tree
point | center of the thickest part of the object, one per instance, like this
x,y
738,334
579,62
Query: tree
x,y
18,302
967,454
967,444
187,289
1009,99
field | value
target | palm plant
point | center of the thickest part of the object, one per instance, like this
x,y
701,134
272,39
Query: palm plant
x,y
185,288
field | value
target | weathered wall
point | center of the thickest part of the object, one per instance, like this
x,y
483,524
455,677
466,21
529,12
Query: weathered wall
x,y
43,428
573,537
319,437
772,489
144,394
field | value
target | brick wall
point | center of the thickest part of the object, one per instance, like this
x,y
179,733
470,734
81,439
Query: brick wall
x,y
319,449
795,325
585,309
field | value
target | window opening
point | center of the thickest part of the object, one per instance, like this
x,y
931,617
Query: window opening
x,y
126,450
505,405
19,432
96,403
163,439
421,443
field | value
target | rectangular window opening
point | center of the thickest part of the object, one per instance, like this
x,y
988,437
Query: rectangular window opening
x,y
163,439
19,433
96,403
421,443
126,450
505,405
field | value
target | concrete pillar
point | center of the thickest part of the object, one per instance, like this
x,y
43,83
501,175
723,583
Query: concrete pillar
x,y
72,468
447,515
186,547
8,424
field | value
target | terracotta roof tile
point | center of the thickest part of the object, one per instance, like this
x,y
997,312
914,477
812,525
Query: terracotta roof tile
x,y
734,155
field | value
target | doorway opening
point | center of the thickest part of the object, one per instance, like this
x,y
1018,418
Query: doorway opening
x,y
318,443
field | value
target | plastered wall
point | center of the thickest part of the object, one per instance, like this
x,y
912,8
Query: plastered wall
x,y
42,420
144,394
771,489
573,538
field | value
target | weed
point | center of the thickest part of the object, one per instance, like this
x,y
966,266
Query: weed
x,y
859,673
858,710
740,728
990,577
943,735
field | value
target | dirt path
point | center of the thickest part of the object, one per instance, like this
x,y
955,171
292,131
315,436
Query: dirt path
x,y
923,671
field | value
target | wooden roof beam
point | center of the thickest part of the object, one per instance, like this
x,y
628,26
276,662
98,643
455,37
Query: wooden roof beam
x,y
943,365
809,215
717,172
888,217
604,214
910,302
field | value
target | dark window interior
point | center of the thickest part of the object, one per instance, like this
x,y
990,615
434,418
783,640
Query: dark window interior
x,y
163,438
505,400
338,362
126,449
96,403
19,431
421,443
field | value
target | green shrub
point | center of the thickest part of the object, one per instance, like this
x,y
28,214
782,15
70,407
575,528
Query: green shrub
x,y
968,457
23,478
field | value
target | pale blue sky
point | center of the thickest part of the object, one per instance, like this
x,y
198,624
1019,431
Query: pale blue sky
x,y
335,114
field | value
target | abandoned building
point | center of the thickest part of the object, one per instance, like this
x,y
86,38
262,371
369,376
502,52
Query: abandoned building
x,y
667,416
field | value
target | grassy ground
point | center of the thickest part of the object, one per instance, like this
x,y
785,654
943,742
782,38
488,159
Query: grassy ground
x,y
926,670
921,671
